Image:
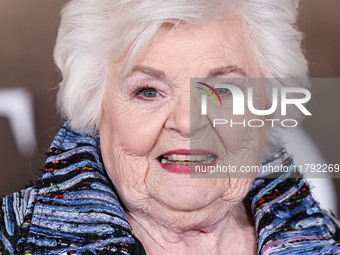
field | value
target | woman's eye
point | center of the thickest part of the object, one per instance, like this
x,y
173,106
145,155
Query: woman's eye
x,y
147,93
222,91
150,93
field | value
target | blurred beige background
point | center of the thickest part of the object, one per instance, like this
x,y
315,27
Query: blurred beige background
x,y
28,30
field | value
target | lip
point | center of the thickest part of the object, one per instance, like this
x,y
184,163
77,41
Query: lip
x,y
189,152
181,169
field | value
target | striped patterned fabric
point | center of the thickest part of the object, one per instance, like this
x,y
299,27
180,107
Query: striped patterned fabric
x,y
74,209
287,218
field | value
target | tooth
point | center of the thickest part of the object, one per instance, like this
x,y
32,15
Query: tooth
x,y
187,159
181,157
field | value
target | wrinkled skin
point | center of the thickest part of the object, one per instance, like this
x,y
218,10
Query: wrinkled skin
x,y
173,213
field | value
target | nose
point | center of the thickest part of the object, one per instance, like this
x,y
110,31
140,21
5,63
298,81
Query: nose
x,y
185,117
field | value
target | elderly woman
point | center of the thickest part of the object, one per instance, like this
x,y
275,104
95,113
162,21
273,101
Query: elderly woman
x,y
117,176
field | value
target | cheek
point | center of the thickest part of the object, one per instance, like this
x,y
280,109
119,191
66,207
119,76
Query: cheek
x,y
241,141
230,128
238,136
132,131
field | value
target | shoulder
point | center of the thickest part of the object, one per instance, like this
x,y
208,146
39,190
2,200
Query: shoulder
x,y
13,209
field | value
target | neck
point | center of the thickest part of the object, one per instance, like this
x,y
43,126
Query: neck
x,y
230,233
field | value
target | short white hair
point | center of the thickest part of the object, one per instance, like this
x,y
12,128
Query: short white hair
x,y
95,33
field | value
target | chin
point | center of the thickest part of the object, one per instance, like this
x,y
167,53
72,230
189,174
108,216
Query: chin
x,y
188,197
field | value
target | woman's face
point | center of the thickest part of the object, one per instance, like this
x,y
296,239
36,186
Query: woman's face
x,y
147,115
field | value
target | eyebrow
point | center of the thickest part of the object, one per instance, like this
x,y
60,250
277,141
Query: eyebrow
x,y
160,75
153,72
223,70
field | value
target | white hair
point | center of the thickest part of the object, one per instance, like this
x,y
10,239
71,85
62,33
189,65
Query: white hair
x,y
95,33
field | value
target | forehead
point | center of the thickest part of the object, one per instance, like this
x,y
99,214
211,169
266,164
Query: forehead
x,y
200,48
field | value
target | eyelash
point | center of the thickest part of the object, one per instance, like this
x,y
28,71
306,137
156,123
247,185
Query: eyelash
x,y
141,89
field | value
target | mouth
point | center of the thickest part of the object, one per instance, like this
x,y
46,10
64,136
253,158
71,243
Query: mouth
x,y
184,161
187,160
